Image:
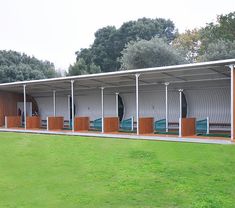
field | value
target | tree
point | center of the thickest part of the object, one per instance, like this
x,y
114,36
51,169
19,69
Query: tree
x,y
219,50
146,28
93,69
223,29
80,67
152,53
213,42
189,44
84,53
105,52
15,66
217,39
103,49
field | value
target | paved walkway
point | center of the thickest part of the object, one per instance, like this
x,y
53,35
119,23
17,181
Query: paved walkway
x,y
126,136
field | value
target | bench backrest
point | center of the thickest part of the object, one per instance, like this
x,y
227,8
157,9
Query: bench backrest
x,y
127,124
97,123
160,125
202,126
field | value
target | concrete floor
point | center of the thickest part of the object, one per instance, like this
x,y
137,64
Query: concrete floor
x,y
123,135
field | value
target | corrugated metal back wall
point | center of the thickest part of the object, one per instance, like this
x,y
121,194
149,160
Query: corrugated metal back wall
x,y
152,104
214,103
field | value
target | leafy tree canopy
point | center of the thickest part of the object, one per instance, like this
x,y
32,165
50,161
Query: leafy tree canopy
x,y
218,36
80,68
109,42
152,53
113,46
188,43
221,49
15,66
223,29
213,42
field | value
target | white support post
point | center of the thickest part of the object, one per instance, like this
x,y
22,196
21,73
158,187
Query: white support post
x,y
116,97
181,90
47,124
54,103
25,110
69,119
166,86
232,67
208,125
102,108
72,102
137,101
180,116
6,122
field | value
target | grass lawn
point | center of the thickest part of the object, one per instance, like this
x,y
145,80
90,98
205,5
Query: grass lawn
x,y
71,171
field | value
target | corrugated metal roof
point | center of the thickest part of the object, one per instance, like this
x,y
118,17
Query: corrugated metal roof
x,y
205,71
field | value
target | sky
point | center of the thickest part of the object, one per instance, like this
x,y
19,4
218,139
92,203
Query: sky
x,y
54,30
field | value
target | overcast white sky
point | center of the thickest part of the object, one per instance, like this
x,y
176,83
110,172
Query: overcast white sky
x,y
54,29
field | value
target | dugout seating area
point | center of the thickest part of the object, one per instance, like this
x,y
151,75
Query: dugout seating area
x,y
147,125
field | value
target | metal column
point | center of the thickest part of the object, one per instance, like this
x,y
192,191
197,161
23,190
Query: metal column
x,y
232,102
72,103
116,103
166,85
207,125
69,112
102,108
180,116
137,101
181,90
25,110
54,103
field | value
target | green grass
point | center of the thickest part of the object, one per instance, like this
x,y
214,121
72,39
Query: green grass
x,y
216,135
66,171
